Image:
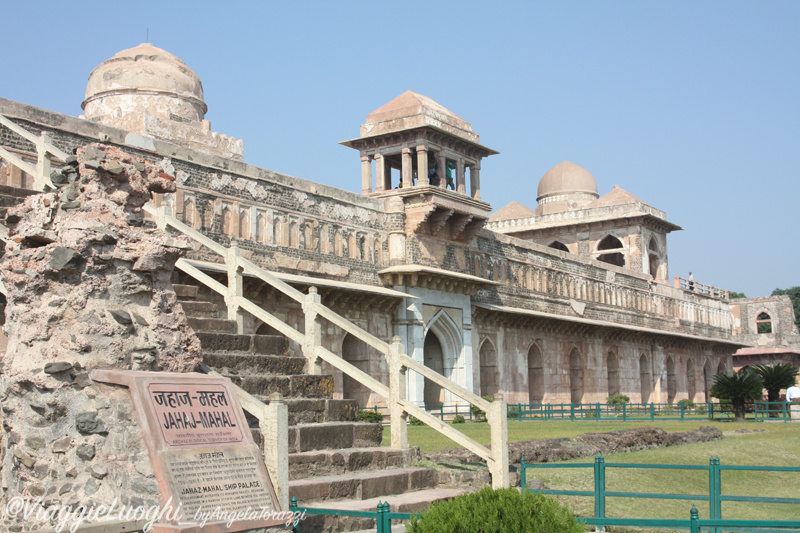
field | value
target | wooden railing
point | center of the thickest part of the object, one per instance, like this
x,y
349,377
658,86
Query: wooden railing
x,y
311,342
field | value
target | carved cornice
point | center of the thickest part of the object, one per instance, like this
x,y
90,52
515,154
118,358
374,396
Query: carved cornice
x,y
433,278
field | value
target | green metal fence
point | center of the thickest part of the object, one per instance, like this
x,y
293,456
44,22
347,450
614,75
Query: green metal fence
x,y
619,412
773,411
383,521
715,495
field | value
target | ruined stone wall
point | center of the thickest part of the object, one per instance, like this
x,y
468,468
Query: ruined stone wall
x,y
88,287
784,333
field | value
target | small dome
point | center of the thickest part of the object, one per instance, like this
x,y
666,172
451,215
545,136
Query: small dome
x,y
566,178
145,70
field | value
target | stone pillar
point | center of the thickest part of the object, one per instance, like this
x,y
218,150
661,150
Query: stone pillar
x,y
460,178
497,415
441,164
313,338
422,166
408,168
366,174
397,391
475,180
382,174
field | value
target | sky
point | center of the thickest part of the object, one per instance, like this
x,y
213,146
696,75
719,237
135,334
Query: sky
x,y
694,107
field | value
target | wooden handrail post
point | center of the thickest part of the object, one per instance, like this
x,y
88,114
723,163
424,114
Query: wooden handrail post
x,y
397,391
313,335
275,434
42,176
235,287
498,420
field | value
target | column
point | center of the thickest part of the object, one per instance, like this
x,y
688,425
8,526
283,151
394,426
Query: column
x,y
460,178
422,166
366,174
380,174
407,169
475,180
441,164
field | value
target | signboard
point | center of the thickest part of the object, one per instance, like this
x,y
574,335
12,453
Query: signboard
x,y
201,448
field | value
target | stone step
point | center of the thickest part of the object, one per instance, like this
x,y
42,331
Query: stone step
x,y
294,386
409,502
241,364
314,411
253,344
197,309
7,190
304,465
329,435
212,325
334,436
362,485
188,292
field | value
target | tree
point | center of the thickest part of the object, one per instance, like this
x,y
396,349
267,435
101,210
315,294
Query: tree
x,y
738,388
732,295
794,296
776,377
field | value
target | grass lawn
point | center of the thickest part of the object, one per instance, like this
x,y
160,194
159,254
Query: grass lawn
x,y
774,444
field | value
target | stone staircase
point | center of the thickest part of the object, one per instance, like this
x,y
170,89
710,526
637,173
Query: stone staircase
x,y
11,196
335,461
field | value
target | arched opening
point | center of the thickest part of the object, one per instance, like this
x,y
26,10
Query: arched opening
x,y
652,247
260,227
226,221
615,251
352,247
189,213
488,356
434,359
357,354
244,225
612,366
338,244
645,378
671,385
378,251
535,375
294,234
721,367
277,232
558,245
575,376
708,378
764,322
691,379
308,238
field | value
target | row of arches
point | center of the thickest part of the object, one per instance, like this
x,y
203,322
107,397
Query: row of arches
x,y
566,377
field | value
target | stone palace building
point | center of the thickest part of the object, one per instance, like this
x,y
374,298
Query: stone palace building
x,y
567,301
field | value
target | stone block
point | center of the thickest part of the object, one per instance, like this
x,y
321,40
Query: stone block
x,y
422,478
383,483
323,436
366,435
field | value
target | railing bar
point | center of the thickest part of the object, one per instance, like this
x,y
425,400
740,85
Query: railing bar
x,y
762,468
656,496
349,327
442,381
352,371
565,492
655,467
762,499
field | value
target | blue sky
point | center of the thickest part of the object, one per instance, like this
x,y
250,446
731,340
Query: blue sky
x,y
691,106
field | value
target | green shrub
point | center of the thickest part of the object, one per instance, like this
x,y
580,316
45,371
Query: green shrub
x,y
478,414
686,403
370,416
414,421
617,399
497,511
458,419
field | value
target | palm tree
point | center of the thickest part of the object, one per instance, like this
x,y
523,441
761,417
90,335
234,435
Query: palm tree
x,y
775,378
738,388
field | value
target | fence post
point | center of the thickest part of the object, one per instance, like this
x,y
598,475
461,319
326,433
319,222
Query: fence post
x,y
313,337
683,407
42,162
694,521
572,411
624,413
523,478
652,411
295,522
397,392
599,487
718,492
382,522
597,411
275,434
235,287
